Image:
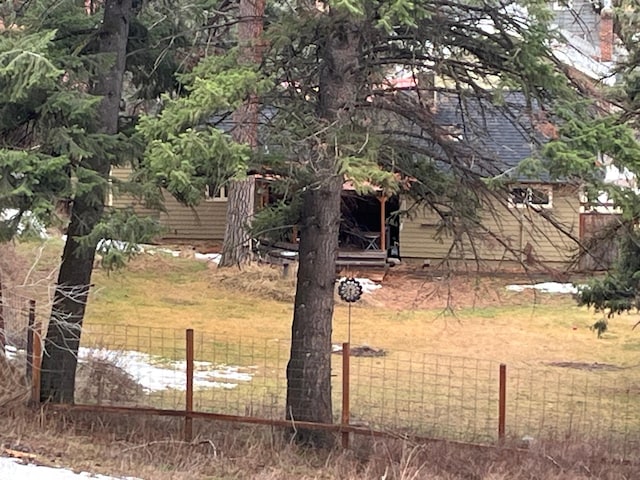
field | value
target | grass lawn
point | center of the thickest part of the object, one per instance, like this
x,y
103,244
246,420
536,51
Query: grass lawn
x,y
180,294
441,367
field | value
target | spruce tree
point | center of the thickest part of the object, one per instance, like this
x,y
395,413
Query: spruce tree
x,y
65,122
613,141
241,192
336,112
74,278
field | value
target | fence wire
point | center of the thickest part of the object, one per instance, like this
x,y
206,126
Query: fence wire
x,y
438,396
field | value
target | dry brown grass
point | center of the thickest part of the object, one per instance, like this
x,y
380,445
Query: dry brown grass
x,y
152,448
100,381
12,265
14,390
181,293
264,281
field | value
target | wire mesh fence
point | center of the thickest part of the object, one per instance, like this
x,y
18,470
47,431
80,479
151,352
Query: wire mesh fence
x,y
431,395
15,310
436,396
572,402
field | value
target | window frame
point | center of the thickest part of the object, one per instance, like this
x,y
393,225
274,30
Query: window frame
x,y
546,189
220,195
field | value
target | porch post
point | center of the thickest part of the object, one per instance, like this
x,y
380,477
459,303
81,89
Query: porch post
x,y
383,222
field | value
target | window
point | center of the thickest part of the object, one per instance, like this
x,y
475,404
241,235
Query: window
x,y
214,193
523,197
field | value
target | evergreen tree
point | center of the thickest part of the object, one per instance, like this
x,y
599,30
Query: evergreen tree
x,y
241,192
335,112
65,123
74,278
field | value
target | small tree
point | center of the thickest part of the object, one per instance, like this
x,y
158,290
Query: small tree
x,y
619,290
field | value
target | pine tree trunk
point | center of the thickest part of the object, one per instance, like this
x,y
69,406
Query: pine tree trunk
x,y
240,201
309,368
236,249
74,279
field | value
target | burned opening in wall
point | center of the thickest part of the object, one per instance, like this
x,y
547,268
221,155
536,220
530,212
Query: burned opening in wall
x,y
361,217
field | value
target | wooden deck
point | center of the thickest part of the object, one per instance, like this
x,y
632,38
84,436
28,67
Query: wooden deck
x,y
359,259
362,259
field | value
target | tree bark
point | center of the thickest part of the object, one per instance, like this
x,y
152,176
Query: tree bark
x,y
240,202
74,279
236,248
309,368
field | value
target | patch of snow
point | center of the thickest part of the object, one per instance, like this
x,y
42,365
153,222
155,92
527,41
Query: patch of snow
x,y
545,287
155,373
28,222
14,469
108,244
367,285
289,254
622,178
10,351
209,257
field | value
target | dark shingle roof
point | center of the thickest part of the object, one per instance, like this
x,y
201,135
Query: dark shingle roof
x,y
497,137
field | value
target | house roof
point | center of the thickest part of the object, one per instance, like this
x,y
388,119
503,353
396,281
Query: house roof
x,y
485,137
502,135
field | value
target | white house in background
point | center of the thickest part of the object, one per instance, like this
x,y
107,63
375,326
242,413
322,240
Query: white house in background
x,y
589,40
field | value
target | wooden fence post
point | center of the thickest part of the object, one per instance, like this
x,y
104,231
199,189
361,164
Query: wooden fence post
x,y
346,353
188,419
37,364
502,402
30,327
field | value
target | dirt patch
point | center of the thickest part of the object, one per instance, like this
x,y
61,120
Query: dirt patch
x,y
595,366
410,288
360,351
403,288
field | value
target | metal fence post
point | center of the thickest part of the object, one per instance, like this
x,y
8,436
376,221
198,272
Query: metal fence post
x,y
30,326
502,402
188,419
346,353
37,363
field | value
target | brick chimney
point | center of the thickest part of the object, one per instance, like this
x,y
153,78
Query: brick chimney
x,y
606,35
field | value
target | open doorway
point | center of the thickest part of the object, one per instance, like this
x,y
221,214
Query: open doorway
x,y
369,222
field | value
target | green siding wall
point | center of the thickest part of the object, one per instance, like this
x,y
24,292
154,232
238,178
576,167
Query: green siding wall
x,y
205,221
506,229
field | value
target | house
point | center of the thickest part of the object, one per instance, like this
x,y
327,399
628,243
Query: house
x,y
534,222
529,220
